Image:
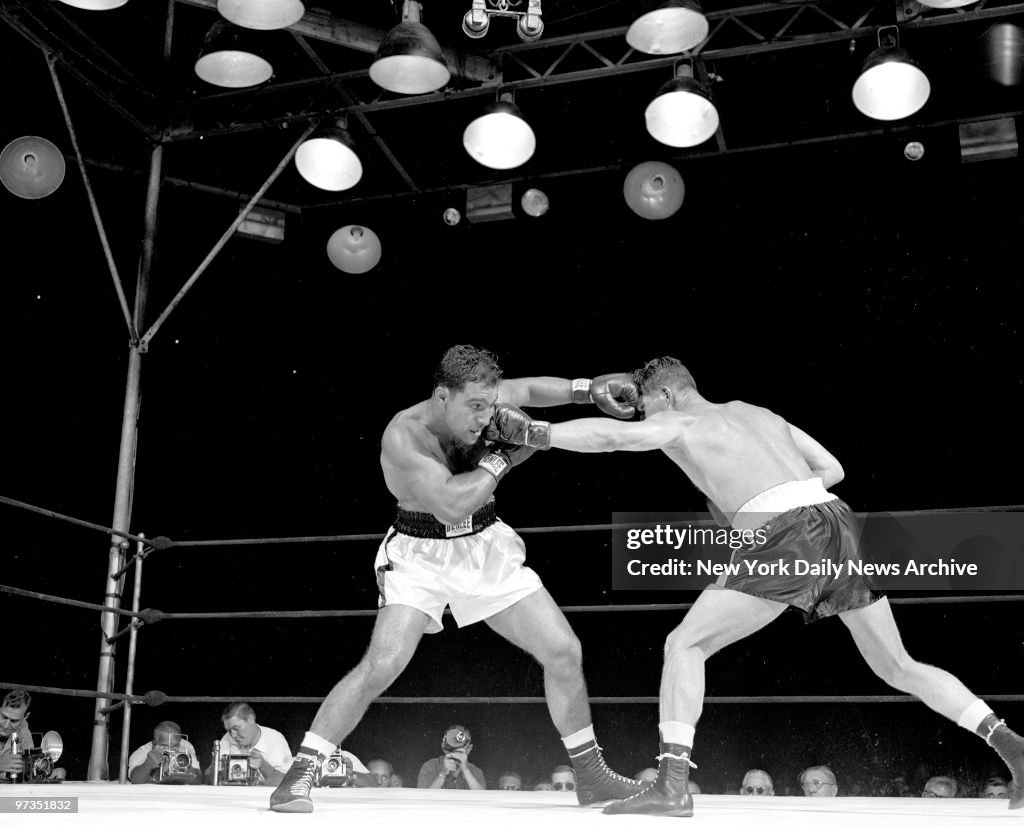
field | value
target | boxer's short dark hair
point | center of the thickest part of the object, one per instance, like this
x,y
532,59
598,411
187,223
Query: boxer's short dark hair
x,y
465,363
664,371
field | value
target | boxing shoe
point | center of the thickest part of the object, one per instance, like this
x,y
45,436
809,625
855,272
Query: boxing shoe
x,y
1010,747
667,796
292,795
595,781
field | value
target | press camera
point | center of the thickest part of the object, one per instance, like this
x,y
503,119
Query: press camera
x,y
37,763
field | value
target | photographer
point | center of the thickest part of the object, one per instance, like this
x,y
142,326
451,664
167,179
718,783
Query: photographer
x,y
152,763
14,713
452,770
266,748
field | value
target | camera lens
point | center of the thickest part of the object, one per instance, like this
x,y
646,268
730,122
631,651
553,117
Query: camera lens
x,y
332,765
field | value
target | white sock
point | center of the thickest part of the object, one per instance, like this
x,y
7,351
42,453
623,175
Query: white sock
x,y
973,715
314,742
679,733
584,735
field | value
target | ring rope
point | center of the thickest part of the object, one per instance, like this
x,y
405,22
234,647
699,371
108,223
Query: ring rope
x,y
158,698
162,542
64,518
150,616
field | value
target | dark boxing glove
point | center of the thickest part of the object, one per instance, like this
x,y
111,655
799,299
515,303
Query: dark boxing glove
x,y
616,394
512,426
501,460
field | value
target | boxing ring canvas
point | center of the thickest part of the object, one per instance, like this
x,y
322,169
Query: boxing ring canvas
x,y
112,805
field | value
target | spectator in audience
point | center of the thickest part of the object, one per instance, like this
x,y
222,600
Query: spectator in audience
x,y
265,747
144,765
396,781
14,714
543,786
995,788
939,786
510,782
563,779
452,770
757,782
819,781
383,771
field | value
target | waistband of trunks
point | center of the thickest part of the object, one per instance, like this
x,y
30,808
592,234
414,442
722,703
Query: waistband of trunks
x,y
426,526
770,503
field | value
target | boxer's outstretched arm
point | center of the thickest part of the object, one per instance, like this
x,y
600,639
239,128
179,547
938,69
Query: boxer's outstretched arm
x,y
536,391
822,463
449,497
606,435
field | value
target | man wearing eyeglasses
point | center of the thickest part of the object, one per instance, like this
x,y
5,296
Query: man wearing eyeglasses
x,y
757,782
819,781
563,779
510,782
940,786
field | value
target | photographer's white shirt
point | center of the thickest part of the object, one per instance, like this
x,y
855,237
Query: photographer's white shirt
x,y
271,745
142,752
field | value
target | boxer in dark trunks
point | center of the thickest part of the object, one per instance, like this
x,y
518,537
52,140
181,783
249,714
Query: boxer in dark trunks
x,y
758,472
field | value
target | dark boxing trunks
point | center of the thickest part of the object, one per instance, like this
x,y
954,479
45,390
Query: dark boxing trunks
x,y
814,544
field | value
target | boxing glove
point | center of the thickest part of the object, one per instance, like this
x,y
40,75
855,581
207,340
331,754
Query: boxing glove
x,y
616,394
501,460
512,426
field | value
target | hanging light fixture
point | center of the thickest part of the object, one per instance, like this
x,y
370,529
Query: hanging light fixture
x,y
891,85
1004,54
354,249
654,190
409,59
946,4
682,113
95,5
264,15
328,160
500,138
31,167
229,58
668,27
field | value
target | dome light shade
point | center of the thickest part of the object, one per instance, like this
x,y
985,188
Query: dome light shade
x,y
535,202
668,28
1004,52
409,58
264,15
500,138
891,85
946,4
228,58
95,5
682,113
354,249
654,190
31,167
328,160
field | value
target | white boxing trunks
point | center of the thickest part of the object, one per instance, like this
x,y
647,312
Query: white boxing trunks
x,y
475,567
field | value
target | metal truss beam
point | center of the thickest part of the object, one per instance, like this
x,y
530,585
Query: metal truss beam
x,y
321,25
98,80
751,30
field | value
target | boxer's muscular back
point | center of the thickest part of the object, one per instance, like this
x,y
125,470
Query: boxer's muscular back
x,y
734,451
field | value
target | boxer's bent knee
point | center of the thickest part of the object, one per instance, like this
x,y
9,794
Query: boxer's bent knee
x,y
564,655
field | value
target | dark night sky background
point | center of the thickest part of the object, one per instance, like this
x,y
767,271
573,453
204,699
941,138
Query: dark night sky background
x,y
872,302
